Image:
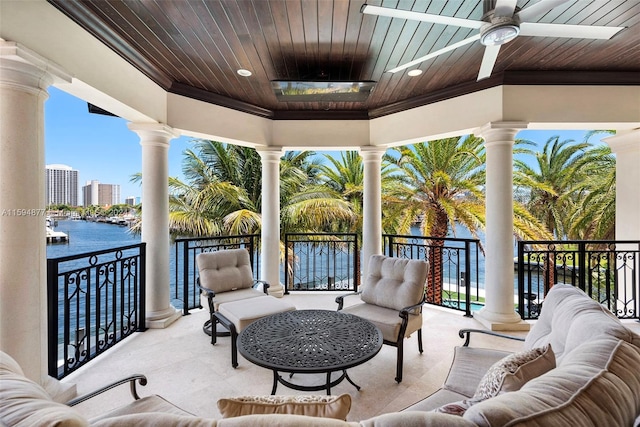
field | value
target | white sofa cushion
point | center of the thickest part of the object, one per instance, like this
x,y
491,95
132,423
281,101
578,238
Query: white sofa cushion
x,y
569,318
23,403
596,385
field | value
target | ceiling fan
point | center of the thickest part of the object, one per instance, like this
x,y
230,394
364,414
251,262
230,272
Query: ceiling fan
x,y
498,26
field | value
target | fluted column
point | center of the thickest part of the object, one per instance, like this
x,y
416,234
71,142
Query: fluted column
x,y
154,139
498,312
372,205
24,78
270,236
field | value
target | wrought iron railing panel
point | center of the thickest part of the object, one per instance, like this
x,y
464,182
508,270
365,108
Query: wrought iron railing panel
x,y
608,271
454,265
185,293
94,300
321,261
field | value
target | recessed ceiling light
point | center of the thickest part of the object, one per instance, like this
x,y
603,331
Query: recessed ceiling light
x,y
244,73
415,72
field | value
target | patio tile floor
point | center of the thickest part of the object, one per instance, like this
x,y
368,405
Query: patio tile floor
x,y
182,366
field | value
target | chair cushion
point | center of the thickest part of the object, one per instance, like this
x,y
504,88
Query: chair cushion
x,y
394,282
387,320
337,407
238,295
226,270
243,313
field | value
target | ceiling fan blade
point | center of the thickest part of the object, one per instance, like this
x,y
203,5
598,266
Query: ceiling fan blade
x,y
567,30
488,61
540,8
419,16
434,54
505,8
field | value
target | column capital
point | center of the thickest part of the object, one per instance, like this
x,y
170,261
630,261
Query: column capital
x,y
154,133
500,131
626,142
24,69
370,153
270,154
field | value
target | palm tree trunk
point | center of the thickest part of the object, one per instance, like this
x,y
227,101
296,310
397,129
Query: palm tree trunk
x,y
434,279
548,271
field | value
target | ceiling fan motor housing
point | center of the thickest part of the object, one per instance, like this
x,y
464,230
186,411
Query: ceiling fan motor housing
x,y
499,30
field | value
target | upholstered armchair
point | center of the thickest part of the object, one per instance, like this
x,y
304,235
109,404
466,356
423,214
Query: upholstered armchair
x,y
226,276
391,298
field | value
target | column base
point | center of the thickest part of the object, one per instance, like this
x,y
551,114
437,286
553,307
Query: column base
x,y
501,321
162,319
276,290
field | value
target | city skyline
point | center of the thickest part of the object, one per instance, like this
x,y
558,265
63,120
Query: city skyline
x,y
62,188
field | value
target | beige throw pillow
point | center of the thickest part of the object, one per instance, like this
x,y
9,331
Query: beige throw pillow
x,y
316,406
513,371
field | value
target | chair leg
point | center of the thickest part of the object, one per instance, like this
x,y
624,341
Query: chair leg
x,y
234,346
399,362
420,340
214,327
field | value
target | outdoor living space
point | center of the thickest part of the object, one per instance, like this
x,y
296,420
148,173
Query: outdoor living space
x,y
182,366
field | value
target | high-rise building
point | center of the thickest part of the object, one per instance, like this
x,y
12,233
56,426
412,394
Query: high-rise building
x,y
61,185
94,193
131,201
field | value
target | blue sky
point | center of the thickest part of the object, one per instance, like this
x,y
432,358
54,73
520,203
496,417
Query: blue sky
x,y
103,148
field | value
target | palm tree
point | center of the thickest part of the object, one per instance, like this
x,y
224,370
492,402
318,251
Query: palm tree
x,y
594,216
345,176
224,193
444,179
552,187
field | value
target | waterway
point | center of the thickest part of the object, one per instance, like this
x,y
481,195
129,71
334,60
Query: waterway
x,y
85,236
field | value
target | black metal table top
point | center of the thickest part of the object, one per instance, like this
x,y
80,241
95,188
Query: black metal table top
x,y
310,341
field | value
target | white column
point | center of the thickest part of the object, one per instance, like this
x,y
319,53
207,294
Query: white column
x,y
626,147
154,139
498,312
372,205
270,236
24,78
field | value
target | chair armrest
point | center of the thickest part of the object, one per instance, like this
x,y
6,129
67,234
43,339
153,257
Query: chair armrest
x,y
404,313
467,332
340,299
208,292
265,285
131,380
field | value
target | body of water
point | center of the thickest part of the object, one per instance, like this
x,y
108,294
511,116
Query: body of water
x,y
85,236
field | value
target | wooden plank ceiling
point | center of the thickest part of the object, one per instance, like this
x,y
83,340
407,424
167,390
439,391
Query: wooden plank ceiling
x,y
195,47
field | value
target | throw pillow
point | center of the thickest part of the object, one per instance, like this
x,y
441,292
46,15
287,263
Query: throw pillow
x,y
316,406
513,371
457,408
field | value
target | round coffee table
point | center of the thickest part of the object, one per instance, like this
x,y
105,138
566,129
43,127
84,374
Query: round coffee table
x,y
310,342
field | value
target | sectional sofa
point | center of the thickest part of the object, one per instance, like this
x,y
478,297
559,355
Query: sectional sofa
x,y
580,366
